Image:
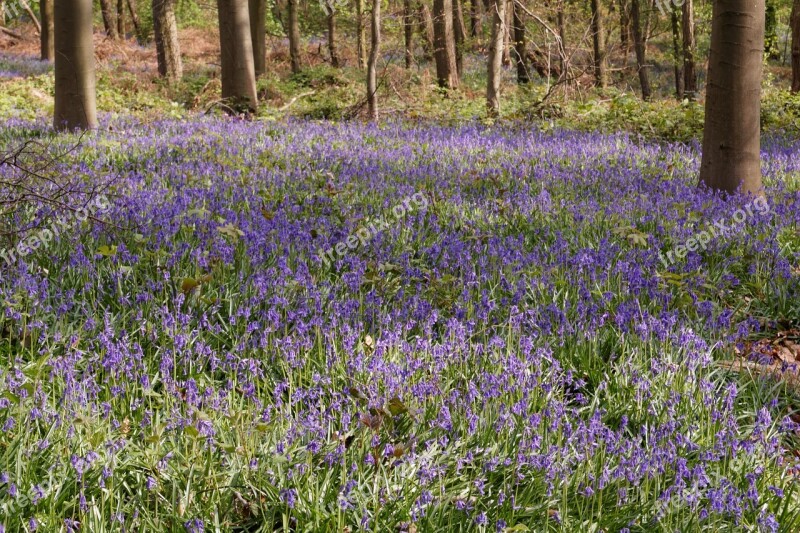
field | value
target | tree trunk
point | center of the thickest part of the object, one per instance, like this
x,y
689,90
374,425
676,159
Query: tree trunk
x,y
731,139
599,44
294,36
460,35
236,51
330,16
426,29
562,34
47,43
444,44
474,17
495,63
168,50
137,27
507,30
258,34
122,31
372,65
795,46
676,50
624,27
689,72
408,32
361,38
75,105
109,22
520,46
640,46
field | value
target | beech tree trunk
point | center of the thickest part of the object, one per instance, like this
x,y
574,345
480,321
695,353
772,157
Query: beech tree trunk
x,y
508,29
689,71
444,44
48,52
520,52
361,38
331,20
75,105
294,35
408,32
495,63
460,35
640,45
168,49
562,34
372,64
258,34
599,44
677,52
426,29
624,27
122,31
109,22
236,51
795,46
137,27
731,139
474,17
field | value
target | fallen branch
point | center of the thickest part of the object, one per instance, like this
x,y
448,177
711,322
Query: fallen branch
x,y
293,100
32,15
10,33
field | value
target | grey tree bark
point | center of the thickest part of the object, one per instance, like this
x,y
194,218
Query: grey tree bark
x,y
330,16
294,35
640,45
48,50
236,52
599,44
426,29
689,71
444,44
795,21
121,29
372,64
495,63
460,35
361,38
109,20
520,52
731,139
258,34
75,104
677,51
168,49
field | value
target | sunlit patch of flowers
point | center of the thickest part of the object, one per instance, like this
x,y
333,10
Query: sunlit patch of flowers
x,y
514,354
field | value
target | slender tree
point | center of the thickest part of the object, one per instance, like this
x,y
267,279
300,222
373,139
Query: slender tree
x,y
426,30
408,32
444,44
330,17
474,17
508,29
372,64
122,31
459,35
624,26
48,45
677,51
294,35
562,34
495,62
236,51
731,140
361,38
109,20
520,51
75,105
258,34
168,50
137,26
599,44
771,30
795,46
689,71
640,45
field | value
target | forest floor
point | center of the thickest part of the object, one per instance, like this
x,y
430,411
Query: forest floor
x,y
433,323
